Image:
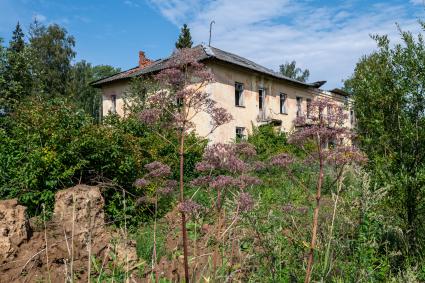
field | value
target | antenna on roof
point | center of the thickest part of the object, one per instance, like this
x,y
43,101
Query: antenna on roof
x,y
212,22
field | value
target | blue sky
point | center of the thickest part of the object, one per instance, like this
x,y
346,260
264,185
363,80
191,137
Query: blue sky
x,y
328,37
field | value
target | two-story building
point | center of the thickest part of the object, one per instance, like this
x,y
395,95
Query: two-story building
x,y
253,94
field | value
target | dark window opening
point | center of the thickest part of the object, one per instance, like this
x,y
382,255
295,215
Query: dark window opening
x,y
261,93
282,103
299,111
240,133
238,94
114,103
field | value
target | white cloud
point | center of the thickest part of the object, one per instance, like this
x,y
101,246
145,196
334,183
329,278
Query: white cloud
x,y
131,3
39,17
327,40
417,2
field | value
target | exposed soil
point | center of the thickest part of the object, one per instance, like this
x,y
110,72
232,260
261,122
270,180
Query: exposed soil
x,y
78,216
77,227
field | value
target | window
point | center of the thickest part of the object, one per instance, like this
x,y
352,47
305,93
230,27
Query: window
x,y
351,117
299,102
330,113
114,103
282,103
238,94
240,133
308,107
261,95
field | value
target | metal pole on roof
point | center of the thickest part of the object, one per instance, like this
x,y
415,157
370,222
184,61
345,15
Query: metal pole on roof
x,y
212,22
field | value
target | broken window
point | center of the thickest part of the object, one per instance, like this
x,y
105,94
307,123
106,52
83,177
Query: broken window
x,y
282,103
299,110
238,94
240,133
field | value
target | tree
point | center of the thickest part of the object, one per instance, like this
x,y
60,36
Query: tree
x,y
174,106
389,91
87,97
2,78
51,51
17,43
185,39
17,73
290,70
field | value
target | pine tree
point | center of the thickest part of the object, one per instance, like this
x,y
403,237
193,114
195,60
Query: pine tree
x,y
17,44
17,69
185,39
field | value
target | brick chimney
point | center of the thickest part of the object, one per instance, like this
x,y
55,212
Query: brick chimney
x,y
143,61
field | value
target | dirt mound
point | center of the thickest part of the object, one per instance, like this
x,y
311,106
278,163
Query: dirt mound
x,y
14,227
80,208
67,244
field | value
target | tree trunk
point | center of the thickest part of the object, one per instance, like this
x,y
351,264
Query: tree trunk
x,y
315,222
184,231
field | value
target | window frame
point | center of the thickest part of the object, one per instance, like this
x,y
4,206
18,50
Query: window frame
x,y
261,98
299,100
282,103
239,97
241,135
114,103
308,102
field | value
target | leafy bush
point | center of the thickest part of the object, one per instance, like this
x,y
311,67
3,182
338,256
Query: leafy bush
x,y
49,145
268,142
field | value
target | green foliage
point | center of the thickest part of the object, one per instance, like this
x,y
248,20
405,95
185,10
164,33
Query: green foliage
x,y
185,39
269,142
145,242
51,50
388,88
86,96
41,153
290,70
16,73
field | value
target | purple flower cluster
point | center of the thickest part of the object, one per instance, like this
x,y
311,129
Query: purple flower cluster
x,y
224,157
246,203
245,181
190,207
150,116
346,155
222,181
157,169
219,116
201,181
169,187
258,166
245,149
282,160
141,183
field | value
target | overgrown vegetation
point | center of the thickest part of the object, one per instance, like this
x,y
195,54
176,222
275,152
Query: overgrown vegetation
x,y
247,219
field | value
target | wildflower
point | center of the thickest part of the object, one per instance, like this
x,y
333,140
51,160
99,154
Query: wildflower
x,y
246,203
140,183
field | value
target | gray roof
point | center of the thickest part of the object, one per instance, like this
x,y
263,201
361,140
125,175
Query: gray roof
x,y
206,52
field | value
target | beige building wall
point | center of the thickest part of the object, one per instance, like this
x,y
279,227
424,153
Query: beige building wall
x,y
247,115
118,90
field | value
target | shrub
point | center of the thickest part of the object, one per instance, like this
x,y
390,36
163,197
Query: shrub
x,y
48,145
